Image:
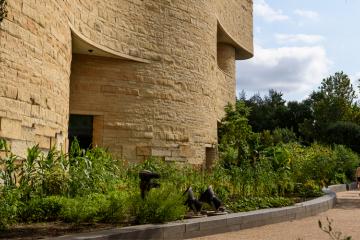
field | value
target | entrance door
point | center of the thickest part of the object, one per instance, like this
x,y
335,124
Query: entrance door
x,y
81,127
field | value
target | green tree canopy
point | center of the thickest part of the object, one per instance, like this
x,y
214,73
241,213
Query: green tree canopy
x,y
333,102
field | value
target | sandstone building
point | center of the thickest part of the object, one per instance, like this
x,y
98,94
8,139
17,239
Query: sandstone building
x,y
141,77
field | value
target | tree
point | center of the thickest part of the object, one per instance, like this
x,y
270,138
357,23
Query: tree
x,y
333,102
297,113
268,113
235,132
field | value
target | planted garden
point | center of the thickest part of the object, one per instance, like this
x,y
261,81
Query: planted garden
x,y
267,168
89,186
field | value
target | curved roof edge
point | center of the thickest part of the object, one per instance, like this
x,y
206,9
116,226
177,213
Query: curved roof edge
x,y
241,53
83,45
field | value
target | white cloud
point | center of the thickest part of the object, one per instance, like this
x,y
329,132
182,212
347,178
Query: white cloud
x,y
298,38
306,13
262,9
295,71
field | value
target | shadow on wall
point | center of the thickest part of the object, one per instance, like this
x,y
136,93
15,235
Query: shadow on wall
x,y
3,11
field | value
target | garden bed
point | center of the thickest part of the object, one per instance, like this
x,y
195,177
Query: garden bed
x,y
89,189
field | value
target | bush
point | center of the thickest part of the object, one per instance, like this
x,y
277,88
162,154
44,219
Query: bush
x,y
248,204
118,208
9,204
283,135
40,209
346,163
88,209
308,189
91,170
160,205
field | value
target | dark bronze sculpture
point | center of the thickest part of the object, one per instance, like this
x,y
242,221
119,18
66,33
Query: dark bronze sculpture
x,y
194,204
209,197
146,182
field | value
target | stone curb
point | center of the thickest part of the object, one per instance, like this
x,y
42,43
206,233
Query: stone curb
x,y
218,224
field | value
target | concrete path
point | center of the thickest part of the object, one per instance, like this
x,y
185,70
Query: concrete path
x,y
345,216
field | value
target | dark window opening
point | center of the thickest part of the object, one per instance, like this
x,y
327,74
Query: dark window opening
x,y
81,127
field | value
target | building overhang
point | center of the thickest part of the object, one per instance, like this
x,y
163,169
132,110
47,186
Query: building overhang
x,y
84,45
241,53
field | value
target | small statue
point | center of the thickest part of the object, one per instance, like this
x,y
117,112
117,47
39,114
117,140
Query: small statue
x,y
209,197
146,181
194,204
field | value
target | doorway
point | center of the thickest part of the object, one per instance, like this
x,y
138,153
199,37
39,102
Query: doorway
x,y
81,128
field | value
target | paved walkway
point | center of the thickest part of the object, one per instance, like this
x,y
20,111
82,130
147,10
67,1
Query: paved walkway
x,y
346,219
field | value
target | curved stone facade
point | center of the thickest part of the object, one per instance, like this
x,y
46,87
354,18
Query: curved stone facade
x,y
154,74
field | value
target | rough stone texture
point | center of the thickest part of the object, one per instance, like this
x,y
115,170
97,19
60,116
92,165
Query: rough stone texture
x,y
162,98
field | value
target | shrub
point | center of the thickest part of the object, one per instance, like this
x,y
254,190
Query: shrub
x,y
248,204
283,135
160,205
89,209
40,209
9,204
118,209
308,189
346,163
91,170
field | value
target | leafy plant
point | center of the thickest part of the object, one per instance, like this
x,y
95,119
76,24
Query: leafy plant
x,y
9,204
248,204
40,209
160,205
9,166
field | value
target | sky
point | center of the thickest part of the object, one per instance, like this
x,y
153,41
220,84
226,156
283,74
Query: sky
x,y
297,43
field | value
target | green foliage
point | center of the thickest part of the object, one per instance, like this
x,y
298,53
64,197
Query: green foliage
x,y
267,113
254,203
346,161
308,189
90,170
9,167
89,186
160,205
345,133
118,207
331,103
84,209
235,131
9,204
40,209
283,135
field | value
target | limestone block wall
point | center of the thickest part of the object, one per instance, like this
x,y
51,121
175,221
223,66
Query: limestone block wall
x,y
35,58
167,104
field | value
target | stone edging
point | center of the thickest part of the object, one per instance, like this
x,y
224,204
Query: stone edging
x,y
218,224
